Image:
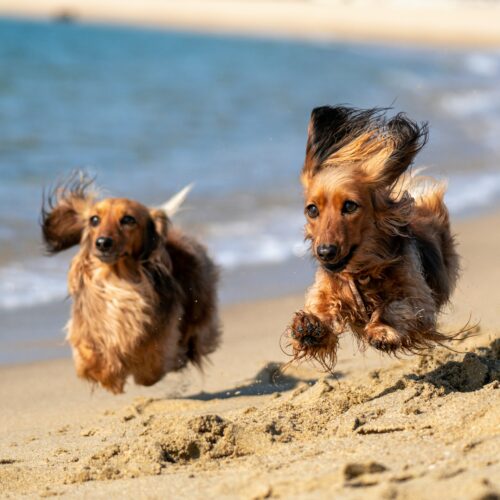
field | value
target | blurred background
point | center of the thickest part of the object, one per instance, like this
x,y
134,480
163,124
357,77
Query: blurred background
x,y
150,96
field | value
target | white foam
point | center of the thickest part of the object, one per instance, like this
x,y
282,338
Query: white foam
x,y
34,282
470,191
477,111
271,237
482,64
470,102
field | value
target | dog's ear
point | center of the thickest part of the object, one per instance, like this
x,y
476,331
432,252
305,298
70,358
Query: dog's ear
x,y
63,212
398,140
364,139
161,222
155,232
331,129
324,133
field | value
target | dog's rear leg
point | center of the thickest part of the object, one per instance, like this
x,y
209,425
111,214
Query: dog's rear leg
x,y
380,335
383,337
401,324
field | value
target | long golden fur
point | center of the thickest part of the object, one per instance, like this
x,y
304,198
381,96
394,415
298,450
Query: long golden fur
x,y
387,259
144,293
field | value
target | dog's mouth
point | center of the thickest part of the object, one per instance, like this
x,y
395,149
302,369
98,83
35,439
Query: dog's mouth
x,y
107,257
340,265
110,257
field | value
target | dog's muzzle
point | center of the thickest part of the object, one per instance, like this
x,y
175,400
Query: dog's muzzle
x,y
326,252
105,250
104,244
336,266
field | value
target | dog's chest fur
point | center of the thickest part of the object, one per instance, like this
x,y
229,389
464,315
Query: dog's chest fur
x,y
110,312
368,293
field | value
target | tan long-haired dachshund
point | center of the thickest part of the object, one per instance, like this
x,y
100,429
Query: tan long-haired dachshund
x,y
387,259
144,293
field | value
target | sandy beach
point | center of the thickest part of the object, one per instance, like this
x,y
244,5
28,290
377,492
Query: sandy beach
x,y
379,428
446,23
252,425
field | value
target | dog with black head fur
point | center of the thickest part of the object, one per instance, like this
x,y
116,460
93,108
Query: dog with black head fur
x,y
144,293
381,236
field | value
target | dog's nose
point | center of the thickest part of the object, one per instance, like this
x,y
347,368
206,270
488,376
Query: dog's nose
x,y
104,244
326,252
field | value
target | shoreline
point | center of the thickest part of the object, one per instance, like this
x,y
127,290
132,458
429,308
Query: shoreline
x,y
450,25
24,342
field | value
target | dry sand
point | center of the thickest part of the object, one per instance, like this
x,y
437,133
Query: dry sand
x,y
420,427
445,22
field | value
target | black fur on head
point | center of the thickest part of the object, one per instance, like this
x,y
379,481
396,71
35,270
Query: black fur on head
x,y
409,138
333,128
151,240
330,128
156,231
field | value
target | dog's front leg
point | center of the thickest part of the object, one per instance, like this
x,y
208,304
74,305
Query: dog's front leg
x,y
314,331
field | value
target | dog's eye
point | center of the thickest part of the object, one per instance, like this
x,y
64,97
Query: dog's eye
x,y
127,220
312,211
94,220
349,207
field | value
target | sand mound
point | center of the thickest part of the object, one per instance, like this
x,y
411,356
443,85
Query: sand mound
x,y
377,429
475,371
161,439
325,409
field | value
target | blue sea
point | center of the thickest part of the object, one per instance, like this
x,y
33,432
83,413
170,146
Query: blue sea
x,y
149,111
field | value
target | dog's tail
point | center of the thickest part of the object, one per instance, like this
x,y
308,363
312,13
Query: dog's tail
x,y
428,194
425,190
172,206
431,227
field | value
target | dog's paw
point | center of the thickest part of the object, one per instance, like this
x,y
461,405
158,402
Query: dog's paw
x,y
308,330
384,338
311,338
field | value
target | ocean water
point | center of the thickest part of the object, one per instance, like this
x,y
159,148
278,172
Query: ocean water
x,y
148,112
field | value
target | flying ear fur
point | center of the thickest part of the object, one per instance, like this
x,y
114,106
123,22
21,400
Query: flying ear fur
x,y
330,129
408,138
63,211
349,137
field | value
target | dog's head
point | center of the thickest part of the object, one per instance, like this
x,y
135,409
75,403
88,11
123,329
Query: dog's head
x,y
118,228
353,160
110,229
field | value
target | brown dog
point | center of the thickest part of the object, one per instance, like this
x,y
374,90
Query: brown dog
x,y
144,294
387,260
